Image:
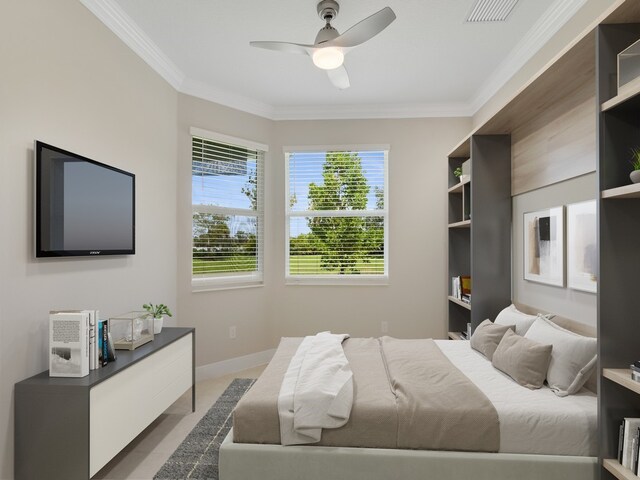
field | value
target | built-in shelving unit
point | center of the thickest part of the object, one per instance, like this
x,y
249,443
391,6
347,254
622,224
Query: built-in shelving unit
x,y
621,376
455,336
560,97
618,471
619,259
459,302
480,228
461,224
626,191
630,91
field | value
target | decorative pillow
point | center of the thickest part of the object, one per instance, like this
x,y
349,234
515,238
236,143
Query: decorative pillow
x,y
573,358
522,359
512,316
487,336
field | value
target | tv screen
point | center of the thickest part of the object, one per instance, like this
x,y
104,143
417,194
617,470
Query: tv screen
x,y
83,207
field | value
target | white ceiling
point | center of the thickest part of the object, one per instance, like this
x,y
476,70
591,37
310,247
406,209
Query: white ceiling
x,y
429,62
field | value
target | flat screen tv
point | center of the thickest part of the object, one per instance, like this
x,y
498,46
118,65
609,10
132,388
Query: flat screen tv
x,y
83,207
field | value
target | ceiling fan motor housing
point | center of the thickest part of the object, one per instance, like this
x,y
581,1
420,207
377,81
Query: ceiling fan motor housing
x,y
328,10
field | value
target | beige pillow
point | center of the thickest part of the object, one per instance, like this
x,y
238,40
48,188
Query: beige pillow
x,y
487,336
522,359
573,359
512,316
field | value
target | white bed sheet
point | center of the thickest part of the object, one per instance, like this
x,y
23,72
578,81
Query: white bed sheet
x,y
531,421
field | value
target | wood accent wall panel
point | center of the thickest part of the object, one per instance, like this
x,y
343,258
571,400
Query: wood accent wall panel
x,y
557,144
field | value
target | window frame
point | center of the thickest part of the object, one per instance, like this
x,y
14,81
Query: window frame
x,y
231,280
333,279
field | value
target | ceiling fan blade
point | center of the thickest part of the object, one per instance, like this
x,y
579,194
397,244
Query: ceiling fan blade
x,y
339,77
364,30
285,47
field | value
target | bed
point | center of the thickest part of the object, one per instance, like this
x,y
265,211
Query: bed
x,y
539,434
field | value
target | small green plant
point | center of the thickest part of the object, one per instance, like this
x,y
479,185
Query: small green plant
x,y
635,158
158,310
457,172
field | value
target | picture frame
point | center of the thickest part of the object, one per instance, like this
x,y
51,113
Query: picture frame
x,y
582,247
544,246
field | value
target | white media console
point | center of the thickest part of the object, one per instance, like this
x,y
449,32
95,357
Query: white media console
x,y
69,428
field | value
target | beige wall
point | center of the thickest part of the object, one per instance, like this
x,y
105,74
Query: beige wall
x,y
573,304
584,18
213,312
414,301
69,81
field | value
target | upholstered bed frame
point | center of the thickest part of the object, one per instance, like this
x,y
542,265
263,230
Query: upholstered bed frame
x,y
242,461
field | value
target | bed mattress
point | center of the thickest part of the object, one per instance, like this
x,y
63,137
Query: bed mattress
x,y
529,421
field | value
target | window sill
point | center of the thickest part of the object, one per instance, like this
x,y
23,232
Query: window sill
x,y
340,280
225,283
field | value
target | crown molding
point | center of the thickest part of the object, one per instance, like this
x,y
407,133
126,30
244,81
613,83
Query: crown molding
x,y
352,112
116,20
553,19
205,91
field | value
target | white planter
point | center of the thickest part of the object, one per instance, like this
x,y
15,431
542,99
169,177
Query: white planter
x,y
635,176
157,325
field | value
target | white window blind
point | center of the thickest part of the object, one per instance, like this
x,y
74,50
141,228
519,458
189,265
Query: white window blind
x,y
228,213
337,216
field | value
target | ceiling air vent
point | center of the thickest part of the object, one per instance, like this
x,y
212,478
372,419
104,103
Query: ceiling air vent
x,y
491,10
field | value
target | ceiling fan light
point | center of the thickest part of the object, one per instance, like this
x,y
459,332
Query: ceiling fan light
x,y
328,58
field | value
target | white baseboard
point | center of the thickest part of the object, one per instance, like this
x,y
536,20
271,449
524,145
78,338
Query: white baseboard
x,y
233,365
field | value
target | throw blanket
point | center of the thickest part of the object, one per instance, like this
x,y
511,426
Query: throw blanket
x,y
317,390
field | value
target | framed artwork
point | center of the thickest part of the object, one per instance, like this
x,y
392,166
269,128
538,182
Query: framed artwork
x,y
582,247
544,246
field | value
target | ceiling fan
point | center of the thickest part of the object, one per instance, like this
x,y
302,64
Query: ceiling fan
x,y
329,48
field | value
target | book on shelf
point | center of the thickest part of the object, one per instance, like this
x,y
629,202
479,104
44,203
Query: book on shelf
x,y
634,451
465,283
627,449
103,330
461,287
69,343
456,291
92,339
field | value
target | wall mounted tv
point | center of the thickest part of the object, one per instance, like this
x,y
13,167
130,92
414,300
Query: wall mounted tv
x,y
83,207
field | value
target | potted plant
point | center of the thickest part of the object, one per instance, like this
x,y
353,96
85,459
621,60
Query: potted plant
x,y
157,312
635,163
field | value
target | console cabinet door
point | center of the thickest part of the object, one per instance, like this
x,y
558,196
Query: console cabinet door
x,y
123,406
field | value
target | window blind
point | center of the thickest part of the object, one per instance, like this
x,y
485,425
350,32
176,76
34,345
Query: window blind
x,y
336,214
228,218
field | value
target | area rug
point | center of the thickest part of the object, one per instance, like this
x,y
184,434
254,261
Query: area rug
x,y
197,456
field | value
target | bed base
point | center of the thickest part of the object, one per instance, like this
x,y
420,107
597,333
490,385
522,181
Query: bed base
x,y
246,461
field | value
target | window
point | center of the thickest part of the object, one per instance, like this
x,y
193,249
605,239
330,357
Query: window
x,y
228,214
337,215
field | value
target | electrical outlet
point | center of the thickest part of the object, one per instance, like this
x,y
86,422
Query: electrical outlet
x,y
232,332
384,326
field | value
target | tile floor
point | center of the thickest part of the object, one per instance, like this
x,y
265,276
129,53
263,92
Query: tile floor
x,y
144,456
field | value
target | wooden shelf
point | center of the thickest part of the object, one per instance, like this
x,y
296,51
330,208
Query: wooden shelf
x,y
617,470
622,376
459,302
458,187
462,224
455,336
626,191
629,91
